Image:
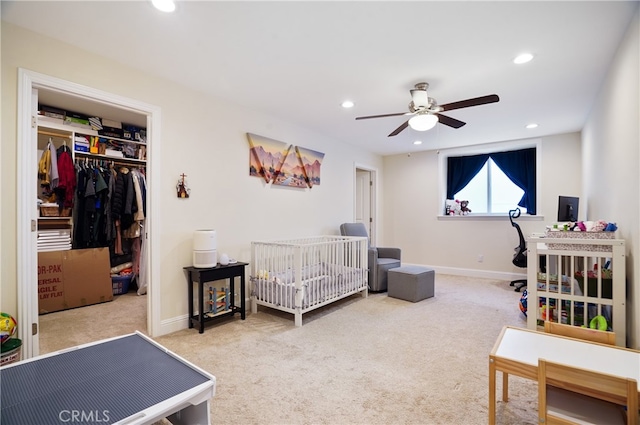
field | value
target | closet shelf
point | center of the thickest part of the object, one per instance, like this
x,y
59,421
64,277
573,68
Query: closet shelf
x,y
115,159
56,124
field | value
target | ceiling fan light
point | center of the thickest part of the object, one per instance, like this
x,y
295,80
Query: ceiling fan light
x,y
523,58
164,5
420,98
423,122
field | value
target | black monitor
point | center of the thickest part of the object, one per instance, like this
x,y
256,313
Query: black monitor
x,y
568,208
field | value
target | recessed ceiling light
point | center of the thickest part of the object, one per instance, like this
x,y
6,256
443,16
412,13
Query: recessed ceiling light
x,y
417,142
523,58
347,104
164,5
532,125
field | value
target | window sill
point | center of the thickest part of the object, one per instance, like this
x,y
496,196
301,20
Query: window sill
x,y
490,217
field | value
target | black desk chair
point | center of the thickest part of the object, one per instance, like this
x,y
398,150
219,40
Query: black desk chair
x,y
520,256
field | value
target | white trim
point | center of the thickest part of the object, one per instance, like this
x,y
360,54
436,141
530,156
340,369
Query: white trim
x,y
175,324
489,217
484,274
26,244
373,237
26,211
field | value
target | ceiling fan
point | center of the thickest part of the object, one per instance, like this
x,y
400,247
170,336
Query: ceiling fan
x,y
427,113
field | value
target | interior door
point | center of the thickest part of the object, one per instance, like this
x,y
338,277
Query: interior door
x,y
363,200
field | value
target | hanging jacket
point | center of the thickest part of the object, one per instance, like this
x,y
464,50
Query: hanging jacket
x,y
117,201
66,177
44,167
53,171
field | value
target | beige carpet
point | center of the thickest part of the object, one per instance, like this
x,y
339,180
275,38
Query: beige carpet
x,y
359,361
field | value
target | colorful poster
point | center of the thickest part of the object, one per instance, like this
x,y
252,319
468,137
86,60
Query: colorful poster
x,y
265,156
311,162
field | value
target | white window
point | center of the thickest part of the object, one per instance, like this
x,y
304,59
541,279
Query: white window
x,y
491,191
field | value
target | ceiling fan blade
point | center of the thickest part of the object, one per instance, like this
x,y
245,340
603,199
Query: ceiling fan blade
x,y
399,129
451,122
476,101
381,116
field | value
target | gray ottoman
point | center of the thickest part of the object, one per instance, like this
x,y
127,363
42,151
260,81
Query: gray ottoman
x,y
411,283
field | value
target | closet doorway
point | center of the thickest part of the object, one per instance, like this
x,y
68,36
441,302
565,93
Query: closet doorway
x,y
365,199
30,84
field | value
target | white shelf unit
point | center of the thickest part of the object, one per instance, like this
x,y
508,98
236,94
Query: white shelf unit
x,y
57,127
580,297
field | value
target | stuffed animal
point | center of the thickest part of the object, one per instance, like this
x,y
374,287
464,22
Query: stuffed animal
x,y
464,207
451,207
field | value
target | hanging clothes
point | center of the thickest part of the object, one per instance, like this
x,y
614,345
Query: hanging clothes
x,y
53,171
117,209
67,181
44,167
109,227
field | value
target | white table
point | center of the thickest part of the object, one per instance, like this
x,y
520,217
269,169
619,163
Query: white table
x,y
517,352
125,380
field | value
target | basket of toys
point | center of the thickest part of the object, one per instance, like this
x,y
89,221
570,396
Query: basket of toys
x,y
583,230
576,237
605,283
11,351
120,283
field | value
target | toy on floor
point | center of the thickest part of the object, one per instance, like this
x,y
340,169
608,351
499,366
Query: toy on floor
x,y
523,303
8,327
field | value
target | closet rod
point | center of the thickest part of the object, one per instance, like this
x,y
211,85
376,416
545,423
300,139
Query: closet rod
x,y
88,160
129,165
48,133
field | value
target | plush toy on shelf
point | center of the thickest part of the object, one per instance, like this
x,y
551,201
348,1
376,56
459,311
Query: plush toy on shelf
x,y
464,208
456,207
452,207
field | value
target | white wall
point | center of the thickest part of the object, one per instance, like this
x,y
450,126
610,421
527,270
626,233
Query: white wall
x,y
413,204
611,156
201,137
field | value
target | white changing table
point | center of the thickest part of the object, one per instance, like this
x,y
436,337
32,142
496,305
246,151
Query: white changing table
x,y
124,380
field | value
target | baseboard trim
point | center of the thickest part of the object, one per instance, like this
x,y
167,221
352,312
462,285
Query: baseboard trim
x,y
173,324
487,274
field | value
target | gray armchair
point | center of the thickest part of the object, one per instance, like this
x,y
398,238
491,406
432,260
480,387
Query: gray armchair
x,y
380,259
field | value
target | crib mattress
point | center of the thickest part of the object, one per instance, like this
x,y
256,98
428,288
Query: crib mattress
x,y
321,282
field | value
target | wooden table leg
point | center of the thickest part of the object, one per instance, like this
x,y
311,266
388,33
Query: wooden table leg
x,y
201,304
190,295
505,386
492,392
242,295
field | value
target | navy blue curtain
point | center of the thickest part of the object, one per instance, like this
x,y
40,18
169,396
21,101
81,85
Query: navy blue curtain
x,y
520,167
461,170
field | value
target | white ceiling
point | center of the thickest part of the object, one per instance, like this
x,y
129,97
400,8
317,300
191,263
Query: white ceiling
x,y
300,60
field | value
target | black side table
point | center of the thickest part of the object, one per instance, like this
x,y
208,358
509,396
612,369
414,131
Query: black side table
x,y
202,275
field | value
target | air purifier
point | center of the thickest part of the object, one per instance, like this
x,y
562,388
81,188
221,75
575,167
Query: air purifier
x,y
205,244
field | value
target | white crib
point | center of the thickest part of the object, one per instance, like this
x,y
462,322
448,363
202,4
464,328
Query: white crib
x,y
300,275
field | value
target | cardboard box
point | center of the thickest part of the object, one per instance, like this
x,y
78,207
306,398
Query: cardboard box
x,y
73,278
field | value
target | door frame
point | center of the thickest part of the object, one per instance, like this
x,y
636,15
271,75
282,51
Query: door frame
x,y
27,253
373,172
